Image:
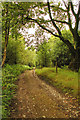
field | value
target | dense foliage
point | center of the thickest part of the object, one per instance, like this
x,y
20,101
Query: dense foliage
x,y
59,51
62,47
9,77
17,53
12,21
17,14
52,51
57,17
43,55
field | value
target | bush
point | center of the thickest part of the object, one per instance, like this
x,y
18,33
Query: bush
x,y
9,76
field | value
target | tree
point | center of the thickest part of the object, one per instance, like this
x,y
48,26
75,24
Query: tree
x,y
43,55
6,29
16,53
57,18
59,51
34,38
40,37
12,20
31,57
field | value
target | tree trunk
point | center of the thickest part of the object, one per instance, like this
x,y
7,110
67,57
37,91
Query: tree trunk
x,y
75,62
7,27
4,56
6,42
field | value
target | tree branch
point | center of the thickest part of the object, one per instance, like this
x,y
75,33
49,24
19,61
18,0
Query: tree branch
x,y
42,20
37,5
76,24
65,4
61,21
78,9
42,26
58,30
77,19
70,46
65,41
71,4
58,8
69,19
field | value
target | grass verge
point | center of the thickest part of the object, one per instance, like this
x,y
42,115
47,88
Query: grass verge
x,y
65,80
9,77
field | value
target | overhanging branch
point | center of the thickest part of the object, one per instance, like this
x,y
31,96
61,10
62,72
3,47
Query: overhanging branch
x,y
71,4
59,21
58,30
70,46
77,19
79,9
69,19
31,20
58,8
65,4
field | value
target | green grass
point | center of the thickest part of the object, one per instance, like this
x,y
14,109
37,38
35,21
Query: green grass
x,y
9,77
65,80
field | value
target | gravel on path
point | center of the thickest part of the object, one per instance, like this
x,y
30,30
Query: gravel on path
x,y
36,99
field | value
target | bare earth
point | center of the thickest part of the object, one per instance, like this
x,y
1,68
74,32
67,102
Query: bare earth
x,y
36,99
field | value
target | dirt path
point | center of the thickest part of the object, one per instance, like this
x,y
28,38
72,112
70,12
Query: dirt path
x,y
36,99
